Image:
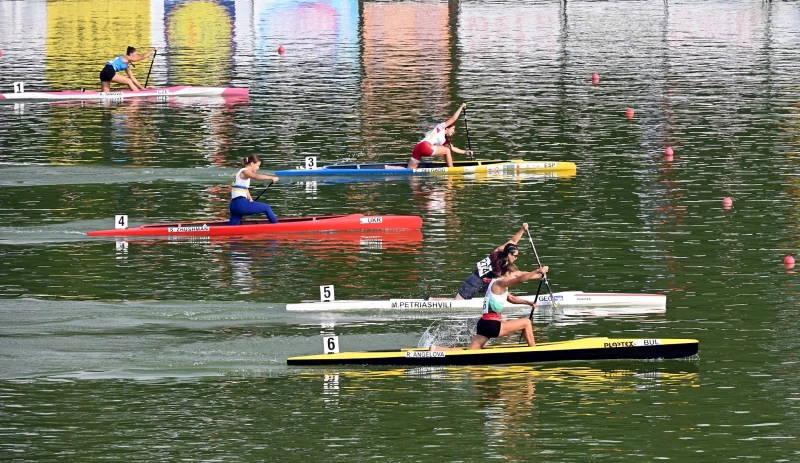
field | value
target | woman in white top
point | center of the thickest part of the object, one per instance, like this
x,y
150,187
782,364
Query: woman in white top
x,y
241,202
491,324
437,142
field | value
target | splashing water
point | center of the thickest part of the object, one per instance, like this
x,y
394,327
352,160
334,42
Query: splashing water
x,y
449,333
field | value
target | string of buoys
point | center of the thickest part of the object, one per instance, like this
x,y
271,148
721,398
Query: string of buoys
x,y
630,113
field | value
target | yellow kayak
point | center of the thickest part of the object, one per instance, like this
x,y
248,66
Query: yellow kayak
x,y
596,348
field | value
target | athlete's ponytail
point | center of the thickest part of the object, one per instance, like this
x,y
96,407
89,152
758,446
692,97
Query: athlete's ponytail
x,y
252,159
130,50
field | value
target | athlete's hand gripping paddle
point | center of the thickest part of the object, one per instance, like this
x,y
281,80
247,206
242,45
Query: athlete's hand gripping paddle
x,y
264,190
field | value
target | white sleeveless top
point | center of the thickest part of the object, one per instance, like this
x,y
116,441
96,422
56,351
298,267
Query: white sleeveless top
x,y
239,187
493,303
436,137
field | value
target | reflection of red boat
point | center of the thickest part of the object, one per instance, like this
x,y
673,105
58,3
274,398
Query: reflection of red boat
x,y
330,223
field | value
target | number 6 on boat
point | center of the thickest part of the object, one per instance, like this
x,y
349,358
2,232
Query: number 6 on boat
x,y
330,344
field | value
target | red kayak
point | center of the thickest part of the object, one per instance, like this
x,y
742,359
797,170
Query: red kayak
x,y
330,223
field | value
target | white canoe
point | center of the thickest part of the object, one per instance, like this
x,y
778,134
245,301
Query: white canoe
x,y
158,93
611,303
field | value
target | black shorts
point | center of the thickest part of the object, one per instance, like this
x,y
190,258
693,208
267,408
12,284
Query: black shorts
x,y
473,285
107,73
489,328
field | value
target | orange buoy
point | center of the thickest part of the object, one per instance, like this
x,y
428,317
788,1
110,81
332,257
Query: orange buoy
x,y
629,113
595,78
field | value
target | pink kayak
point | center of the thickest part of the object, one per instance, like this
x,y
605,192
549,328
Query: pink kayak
x,y
166,92
329,223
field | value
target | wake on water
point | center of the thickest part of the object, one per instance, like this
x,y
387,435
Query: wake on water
x,y
456,332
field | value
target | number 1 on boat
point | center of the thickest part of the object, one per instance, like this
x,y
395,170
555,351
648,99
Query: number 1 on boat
x,y
19,87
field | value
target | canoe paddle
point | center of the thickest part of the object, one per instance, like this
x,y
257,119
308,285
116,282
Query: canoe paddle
x,y
151,68
544,276
466,127
535,300
264,190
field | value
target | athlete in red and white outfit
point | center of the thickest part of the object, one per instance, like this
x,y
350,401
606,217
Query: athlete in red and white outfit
x,y
437,142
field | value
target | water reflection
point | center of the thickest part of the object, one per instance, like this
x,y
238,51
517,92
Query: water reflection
x,y
84,34
407,74
509,405
200,40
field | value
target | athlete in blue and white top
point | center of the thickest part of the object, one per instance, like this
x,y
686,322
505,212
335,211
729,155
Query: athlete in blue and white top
x,y
119,64
242,203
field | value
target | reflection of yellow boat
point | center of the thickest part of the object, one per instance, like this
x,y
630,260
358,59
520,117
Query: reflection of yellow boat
x,y
583,378
599,348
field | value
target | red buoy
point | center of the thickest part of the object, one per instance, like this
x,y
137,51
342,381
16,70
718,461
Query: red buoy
x,y
281,50
727,203
1,52
668,151
595,78
629,113
788,260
